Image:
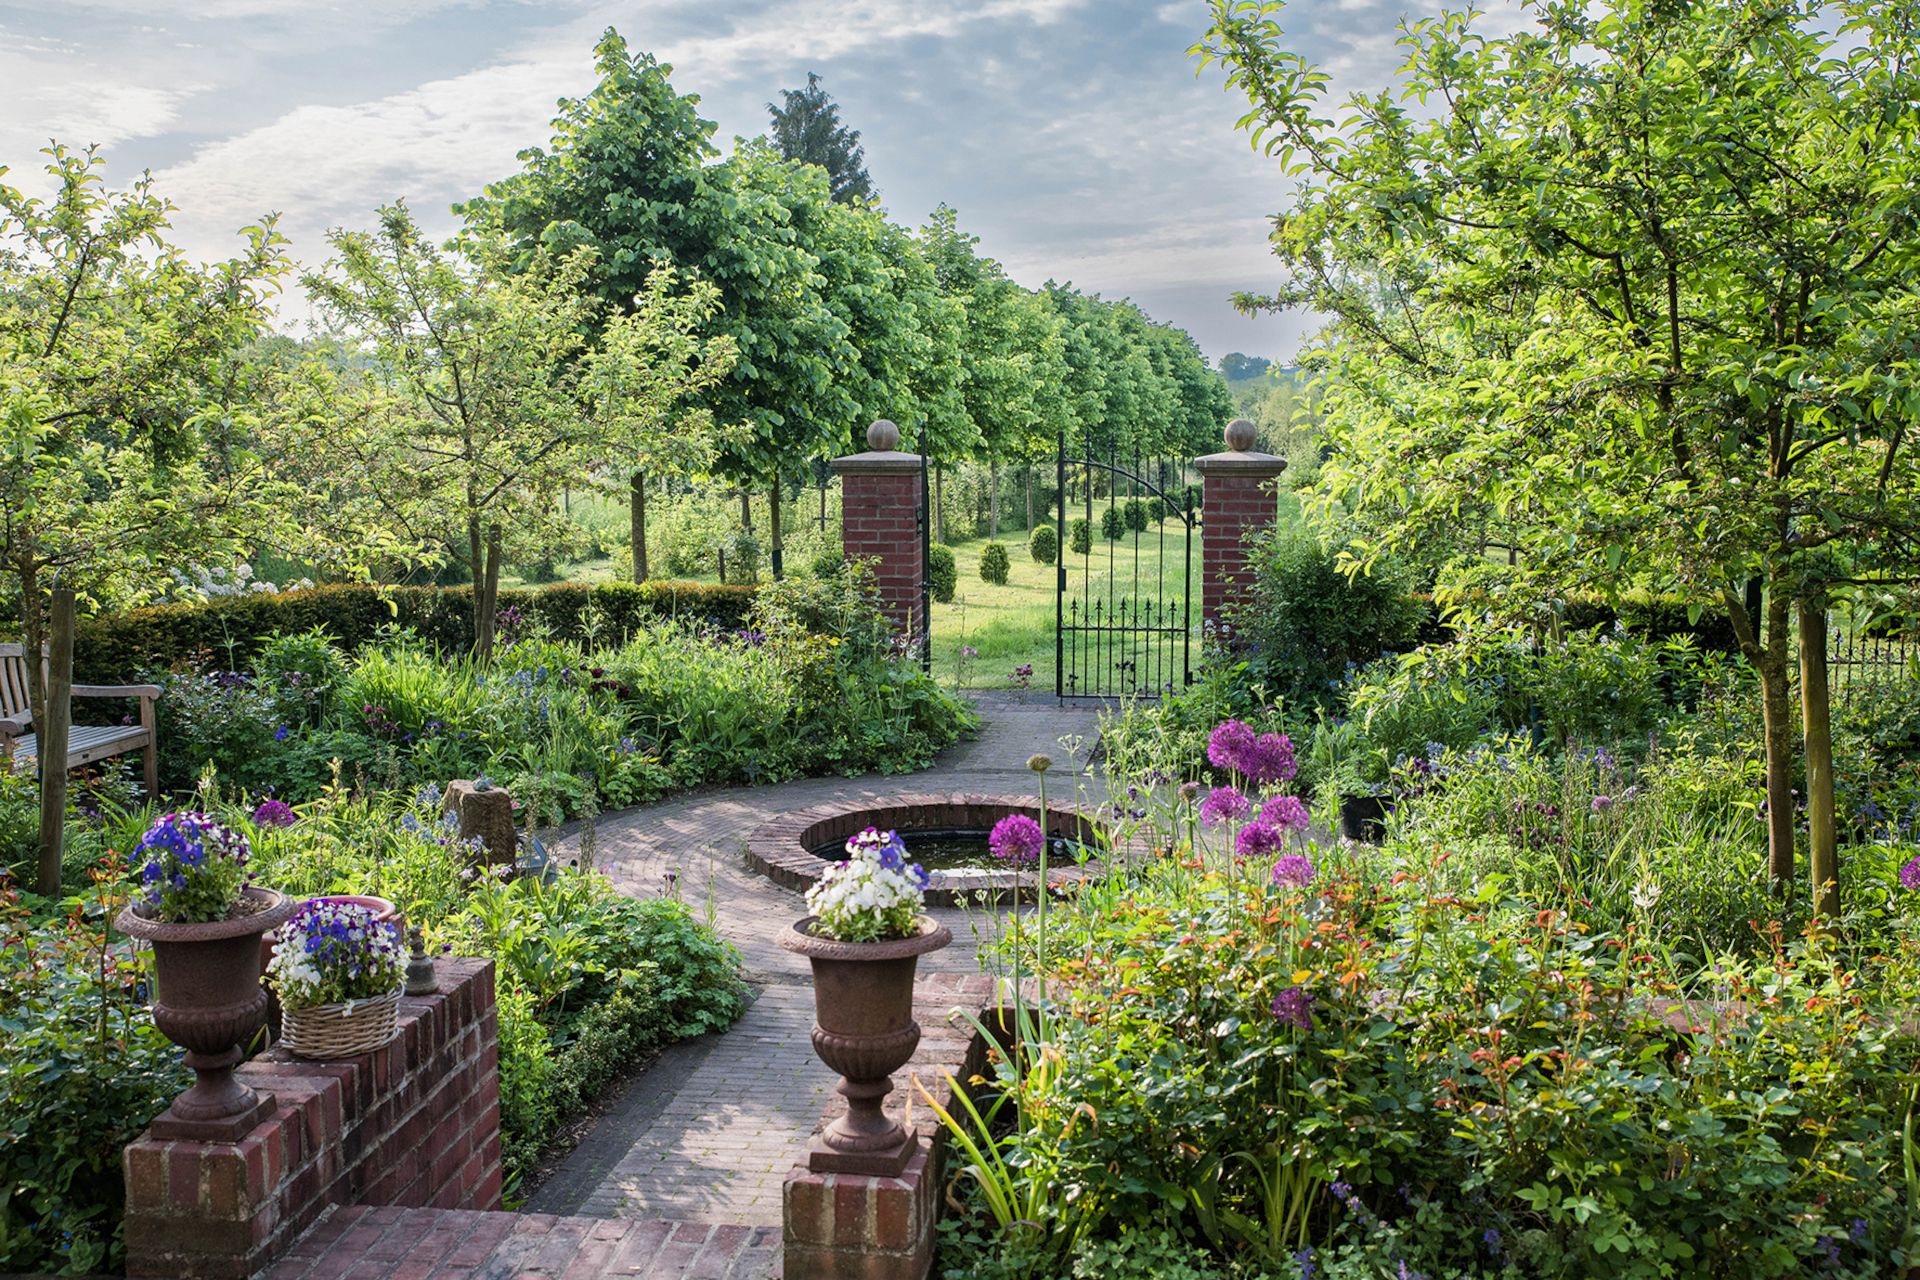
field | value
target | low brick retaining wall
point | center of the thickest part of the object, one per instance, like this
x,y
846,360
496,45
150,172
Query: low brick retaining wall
x,y
780,850
849,1227
415,1123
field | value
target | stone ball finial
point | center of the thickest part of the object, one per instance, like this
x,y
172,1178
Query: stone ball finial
x,y
883,436
1241,435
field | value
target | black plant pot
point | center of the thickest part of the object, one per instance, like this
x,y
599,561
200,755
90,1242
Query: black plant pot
x,y
1363,818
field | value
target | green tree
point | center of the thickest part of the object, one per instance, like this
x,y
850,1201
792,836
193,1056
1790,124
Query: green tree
x,y
806,127
1637,282
466,417
126,396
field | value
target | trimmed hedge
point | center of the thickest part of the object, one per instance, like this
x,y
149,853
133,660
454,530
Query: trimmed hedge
x,y
230,630
994,564
943,573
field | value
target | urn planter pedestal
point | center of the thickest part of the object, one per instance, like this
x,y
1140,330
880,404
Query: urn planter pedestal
x,y
209,1001
864,1029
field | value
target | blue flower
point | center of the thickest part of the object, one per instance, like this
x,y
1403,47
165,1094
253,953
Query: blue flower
x,y
282,734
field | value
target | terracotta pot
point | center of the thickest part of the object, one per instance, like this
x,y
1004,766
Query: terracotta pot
x,y
209,1001
864,1029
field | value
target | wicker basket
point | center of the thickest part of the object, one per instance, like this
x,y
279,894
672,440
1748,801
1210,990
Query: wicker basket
x,y
327,1032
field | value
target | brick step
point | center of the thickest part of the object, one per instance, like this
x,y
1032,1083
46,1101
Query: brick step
x,y
361,1242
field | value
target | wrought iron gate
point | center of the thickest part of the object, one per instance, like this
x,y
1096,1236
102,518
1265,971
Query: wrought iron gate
x,y
1125,629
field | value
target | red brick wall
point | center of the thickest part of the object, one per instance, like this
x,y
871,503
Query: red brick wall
x,y
416,1123
1234,508
881,522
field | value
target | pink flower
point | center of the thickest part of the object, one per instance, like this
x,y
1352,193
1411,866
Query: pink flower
x,y
1286,812
1017,838
1294,871
1223,804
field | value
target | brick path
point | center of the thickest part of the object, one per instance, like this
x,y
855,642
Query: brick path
x,y
682,1178
709,1133
358,1242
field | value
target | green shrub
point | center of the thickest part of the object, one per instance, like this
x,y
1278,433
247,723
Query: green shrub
x,y
1156,509
1080,536
994,565
1353,1093
1113,523
82,1071
943,576
231,630
1043,544
1135,515
827,563
1306,621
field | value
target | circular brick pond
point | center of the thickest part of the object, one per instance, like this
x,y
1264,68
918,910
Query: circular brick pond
x,y
794,850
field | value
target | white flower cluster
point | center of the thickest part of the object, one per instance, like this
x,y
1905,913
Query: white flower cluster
x,y
197,582
334,952
873,895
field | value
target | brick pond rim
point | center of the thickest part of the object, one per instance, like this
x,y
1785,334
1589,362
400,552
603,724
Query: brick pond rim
x,y
782,849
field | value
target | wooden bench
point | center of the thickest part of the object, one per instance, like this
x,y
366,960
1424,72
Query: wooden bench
x,y
86,743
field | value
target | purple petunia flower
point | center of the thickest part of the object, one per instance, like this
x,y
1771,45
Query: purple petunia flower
x,y
1223,804
273,813
1286,812
1295,1008
1259,840
1016,838
1910,874
1295,870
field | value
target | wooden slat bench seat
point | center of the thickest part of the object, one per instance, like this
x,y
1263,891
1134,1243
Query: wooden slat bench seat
x,y
86,743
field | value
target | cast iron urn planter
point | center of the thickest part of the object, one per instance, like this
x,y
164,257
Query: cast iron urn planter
x,y
863,1028
209,1001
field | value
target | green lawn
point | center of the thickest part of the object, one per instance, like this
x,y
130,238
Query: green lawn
x,y
1014,624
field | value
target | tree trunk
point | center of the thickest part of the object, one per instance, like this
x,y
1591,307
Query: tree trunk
x,y
52,733
476,570
993,499
1777,716
486,592
746,509
940,504
775,551
1029,500
1816,724
637,524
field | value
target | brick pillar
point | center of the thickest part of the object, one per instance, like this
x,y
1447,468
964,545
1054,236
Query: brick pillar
x,y
1238,503
880,522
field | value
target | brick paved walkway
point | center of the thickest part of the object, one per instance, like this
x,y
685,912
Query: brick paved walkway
x,y
363,1243
710,1131
682,1178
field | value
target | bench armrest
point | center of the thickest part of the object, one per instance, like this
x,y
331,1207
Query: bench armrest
x,y
11,729
116,691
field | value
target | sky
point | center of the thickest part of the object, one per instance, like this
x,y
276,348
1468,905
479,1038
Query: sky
x,y
1073,136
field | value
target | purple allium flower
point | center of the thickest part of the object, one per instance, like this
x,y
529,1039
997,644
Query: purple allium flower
x,y
1286,812
1910,874
1295,871
1189,792
1259,840
1223,804
1270,759
1016,838
1229,744
1295,1008
273,813
1601,804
